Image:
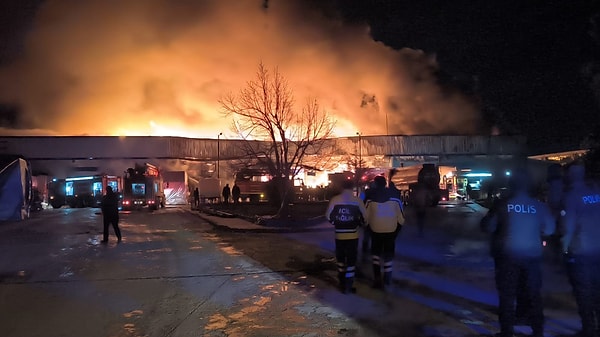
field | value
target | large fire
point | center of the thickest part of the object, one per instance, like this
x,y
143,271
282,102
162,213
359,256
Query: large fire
x,y
156,67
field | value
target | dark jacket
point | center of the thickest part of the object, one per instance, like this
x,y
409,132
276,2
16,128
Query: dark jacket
x,y
110,205
517,224
346,212
235,191
580,224
420,197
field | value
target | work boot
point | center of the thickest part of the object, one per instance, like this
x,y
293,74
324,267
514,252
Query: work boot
x,y
348,286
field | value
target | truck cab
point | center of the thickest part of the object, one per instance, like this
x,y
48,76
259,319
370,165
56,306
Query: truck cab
x,y
143,187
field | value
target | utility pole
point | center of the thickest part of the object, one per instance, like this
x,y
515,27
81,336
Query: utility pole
x,y
219,153
359,150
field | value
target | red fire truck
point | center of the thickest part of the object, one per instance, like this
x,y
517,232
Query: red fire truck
x,y
82,191
143,187
253,184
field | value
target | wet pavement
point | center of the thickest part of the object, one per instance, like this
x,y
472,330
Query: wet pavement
x,y
169,277
182,273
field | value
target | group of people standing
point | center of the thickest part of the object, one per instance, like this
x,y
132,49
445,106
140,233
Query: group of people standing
x,y
381,211
519,225
231,192
228,193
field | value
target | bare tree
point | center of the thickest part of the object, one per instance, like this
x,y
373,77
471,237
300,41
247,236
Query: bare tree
x,y
276,135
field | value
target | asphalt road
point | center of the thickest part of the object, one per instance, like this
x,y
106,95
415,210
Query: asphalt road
x,y
177,275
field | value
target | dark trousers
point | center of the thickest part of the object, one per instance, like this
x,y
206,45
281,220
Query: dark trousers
x,y
114,220
519,277
584,275
346,252
421,214
383,247
366,239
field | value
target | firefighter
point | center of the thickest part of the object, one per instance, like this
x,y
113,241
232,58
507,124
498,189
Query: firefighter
x,y
110,214
385,218
347,213
516,224
581,246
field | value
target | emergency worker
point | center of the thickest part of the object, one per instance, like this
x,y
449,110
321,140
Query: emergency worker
x,y
347,213
110,214
396,195
581,246
554,199
365,196
385,219
517,224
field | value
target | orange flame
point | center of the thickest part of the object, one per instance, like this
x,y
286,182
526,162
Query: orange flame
x,y
153,67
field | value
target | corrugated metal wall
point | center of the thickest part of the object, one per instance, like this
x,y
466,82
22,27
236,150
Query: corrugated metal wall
x,y
210,149
431,145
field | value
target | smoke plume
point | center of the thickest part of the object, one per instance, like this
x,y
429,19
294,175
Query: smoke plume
x,y
158,67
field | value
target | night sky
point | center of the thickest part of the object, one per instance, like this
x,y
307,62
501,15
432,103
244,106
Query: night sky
x,y
530,65
527,61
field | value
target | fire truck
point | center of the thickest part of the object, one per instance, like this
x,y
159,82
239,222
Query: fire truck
x,y
143,187
83,191
406,178
253,184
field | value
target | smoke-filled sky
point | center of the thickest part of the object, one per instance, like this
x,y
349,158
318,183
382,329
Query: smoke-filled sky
x,y
159,67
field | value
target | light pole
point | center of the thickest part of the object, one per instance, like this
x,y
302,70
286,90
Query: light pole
x,y
219,153
359,173
359,151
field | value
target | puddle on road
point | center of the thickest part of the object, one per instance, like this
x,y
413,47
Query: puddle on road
x,y
231,251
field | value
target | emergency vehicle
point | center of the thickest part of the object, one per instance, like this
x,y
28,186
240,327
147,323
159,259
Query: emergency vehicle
x,y
143,187
82,191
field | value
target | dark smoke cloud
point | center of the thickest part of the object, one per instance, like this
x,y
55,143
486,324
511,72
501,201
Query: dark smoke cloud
x,y
104,67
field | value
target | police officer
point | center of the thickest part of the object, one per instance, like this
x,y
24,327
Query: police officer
x,y
347,213
554,199
517,224
385,218
581,245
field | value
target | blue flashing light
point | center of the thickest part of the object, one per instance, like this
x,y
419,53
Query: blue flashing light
x,y
478,174
79,178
